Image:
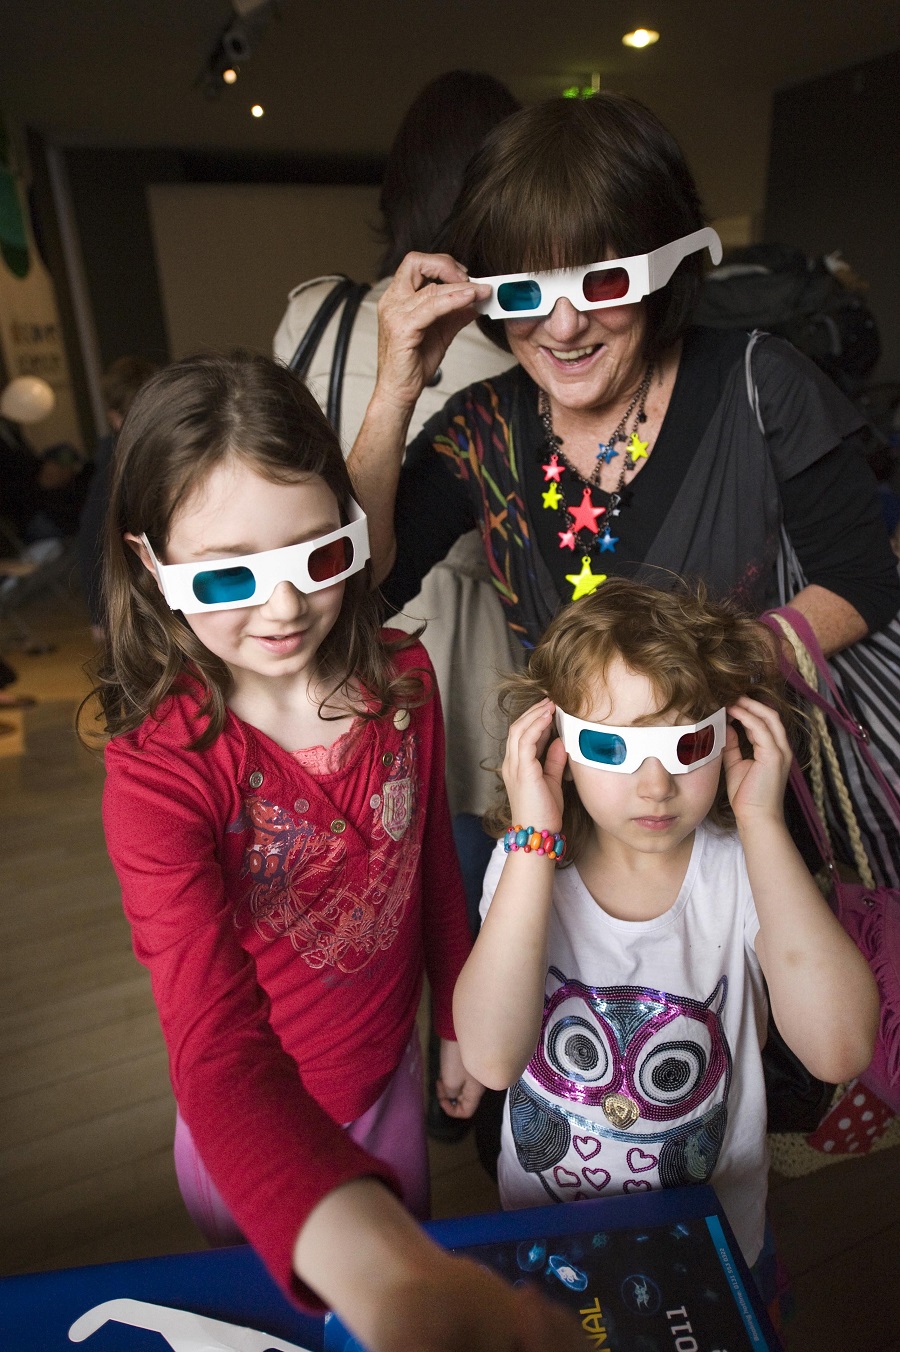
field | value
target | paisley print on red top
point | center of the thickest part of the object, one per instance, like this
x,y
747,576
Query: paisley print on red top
x,y
333,916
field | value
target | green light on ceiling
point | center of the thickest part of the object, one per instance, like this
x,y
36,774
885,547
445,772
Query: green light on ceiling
x,y
586,91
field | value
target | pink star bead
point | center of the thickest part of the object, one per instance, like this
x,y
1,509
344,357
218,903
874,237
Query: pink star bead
x,y
566,539
584,516
552,470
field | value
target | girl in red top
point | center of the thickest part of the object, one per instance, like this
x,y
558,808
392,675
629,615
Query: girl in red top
x,y
275,812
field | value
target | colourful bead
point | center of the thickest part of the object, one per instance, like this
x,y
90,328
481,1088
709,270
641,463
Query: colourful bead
x,y
531,841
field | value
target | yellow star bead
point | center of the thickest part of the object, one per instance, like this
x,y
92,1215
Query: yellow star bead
x,y
637,449
585,583
552,497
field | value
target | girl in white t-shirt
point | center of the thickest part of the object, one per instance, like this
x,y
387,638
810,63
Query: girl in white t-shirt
x,y
644,894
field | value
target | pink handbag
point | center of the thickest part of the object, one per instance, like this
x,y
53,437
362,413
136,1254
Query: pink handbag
x,y
870,914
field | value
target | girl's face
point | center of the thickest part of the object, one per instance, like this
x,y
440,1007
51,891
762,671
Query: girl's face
x,y
650,811
236,511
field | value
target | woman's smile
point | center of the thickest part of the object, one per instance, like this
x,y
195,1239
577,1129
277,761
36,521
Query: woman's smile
x,y
572,357
584,360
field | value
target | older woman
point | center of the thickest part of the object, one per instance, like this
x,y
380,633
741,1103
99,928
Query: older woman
x,y
624,441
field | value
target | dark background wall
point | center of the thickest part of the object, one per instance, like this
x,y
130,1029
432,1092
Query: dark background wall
x,y
834,181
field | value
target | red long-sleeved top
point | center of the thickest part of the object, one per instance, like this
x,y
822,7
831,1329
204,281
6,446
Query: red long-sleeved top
x,y
286,921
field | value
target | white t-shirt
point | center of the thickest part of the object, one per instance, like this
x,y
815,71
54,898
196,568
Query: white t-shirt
x,y
648,1072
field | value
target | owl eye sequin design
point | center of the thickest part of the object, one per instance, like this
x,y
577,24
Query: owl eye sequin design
x,y
627,1090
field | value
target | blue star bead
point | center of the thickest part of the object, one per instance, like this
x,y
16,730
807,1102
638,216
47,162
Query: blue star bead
x,y
606,453
608,543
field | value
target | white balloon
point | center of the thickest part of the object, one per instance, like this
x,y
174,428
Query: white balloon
x,y
27,399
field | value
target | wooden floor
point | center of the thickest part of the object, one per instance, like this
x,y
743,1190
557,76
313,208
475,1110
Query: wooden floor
x,y
86,1116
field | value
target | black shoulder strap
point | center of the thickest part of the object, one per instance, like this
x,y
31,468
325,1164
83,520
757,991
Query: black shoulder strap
x,y
301,359
357,290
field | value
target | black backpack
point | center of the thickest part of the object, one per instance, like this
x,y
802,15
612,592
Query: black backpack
x,y
778,288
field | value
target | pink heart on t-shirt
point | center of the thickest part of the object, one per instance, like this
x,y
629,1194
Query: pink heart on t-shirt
x,y
638,1162
636,1185
598,1178
565,1178
587,1146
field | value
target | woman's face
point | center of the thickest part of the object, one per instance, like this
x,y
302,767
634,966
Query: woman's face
x,y
585,359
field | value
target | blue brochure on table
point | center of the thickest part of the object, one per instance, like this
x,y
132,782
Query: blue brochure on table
x,y
650,1272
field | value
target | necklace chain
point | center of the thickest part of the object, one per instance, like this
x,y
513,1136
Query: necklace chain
x,y
606,453
583,518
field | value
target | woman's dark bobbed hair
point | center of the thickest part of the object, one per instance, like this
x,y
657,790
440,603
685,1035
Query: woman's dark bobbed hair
x,y
573,181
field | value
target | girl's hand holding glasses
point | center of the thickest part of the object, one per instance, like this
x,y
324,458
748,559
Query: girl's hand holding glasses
x,y
756,784
533,784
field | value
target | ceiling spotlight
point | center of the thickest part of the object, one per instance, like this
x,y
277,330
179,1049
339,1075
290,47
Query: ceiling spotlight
x,y
235,45
257,110
641,37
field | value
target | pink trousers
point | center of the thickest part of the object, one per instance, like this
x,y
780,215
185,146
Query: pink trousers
x,y
393,1130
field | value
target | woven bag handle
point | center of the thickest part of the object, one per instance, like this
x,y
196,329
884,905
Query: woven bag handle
x,y
835,708
822,749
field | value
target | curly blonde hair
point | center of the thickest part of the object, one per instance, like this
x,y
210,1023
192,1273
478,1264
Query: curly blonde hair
x,y
699,655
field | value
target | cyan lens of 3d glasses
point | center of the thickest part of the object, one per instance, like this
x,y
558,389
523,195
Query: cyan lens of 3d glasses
x,y
513,296
218,585
606,748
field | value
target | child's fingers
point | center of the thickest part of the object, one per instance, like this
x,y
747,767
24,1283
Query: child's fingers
x,y
555,760
459,1100
731,755
537,716
762,725
526,734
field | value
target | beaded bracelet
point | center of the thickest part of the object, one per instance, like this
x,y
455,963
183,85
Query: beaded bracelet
x,y
530,841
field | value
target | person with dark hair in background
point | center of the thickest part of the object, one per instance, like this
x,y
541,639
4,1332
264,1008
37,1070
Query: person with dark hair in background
x,y
119,384
467,638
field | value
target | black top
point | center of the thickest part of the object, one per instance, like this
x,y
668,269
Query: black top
x,y
828,496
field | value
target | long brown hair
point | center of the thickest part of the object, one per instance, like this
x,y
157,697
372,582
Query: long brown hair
x,y
698,653
184,421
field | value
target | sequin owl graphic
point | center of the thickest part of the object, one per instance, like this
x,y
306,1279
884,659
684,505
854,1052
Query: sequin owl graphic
x,y
627,1090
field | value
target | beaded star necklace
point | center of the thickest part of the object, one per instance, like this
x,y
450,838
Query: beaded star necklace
x,y
583,517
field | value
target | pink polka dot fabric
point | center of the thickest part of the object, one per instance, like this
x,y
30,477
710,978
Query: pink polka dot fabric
x,y
853,1125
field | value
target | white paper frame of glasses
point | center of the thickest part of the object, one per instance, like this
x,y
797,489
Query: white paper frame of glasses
x,y
641,742
646,273
290,564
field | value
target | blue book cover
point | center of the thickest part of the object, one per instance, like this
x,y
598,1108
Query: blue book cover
x,y
653,1272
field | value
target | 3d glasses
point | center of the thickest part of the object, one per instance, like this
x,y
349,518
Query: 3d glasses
x,y
250,579
680,748
620,281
